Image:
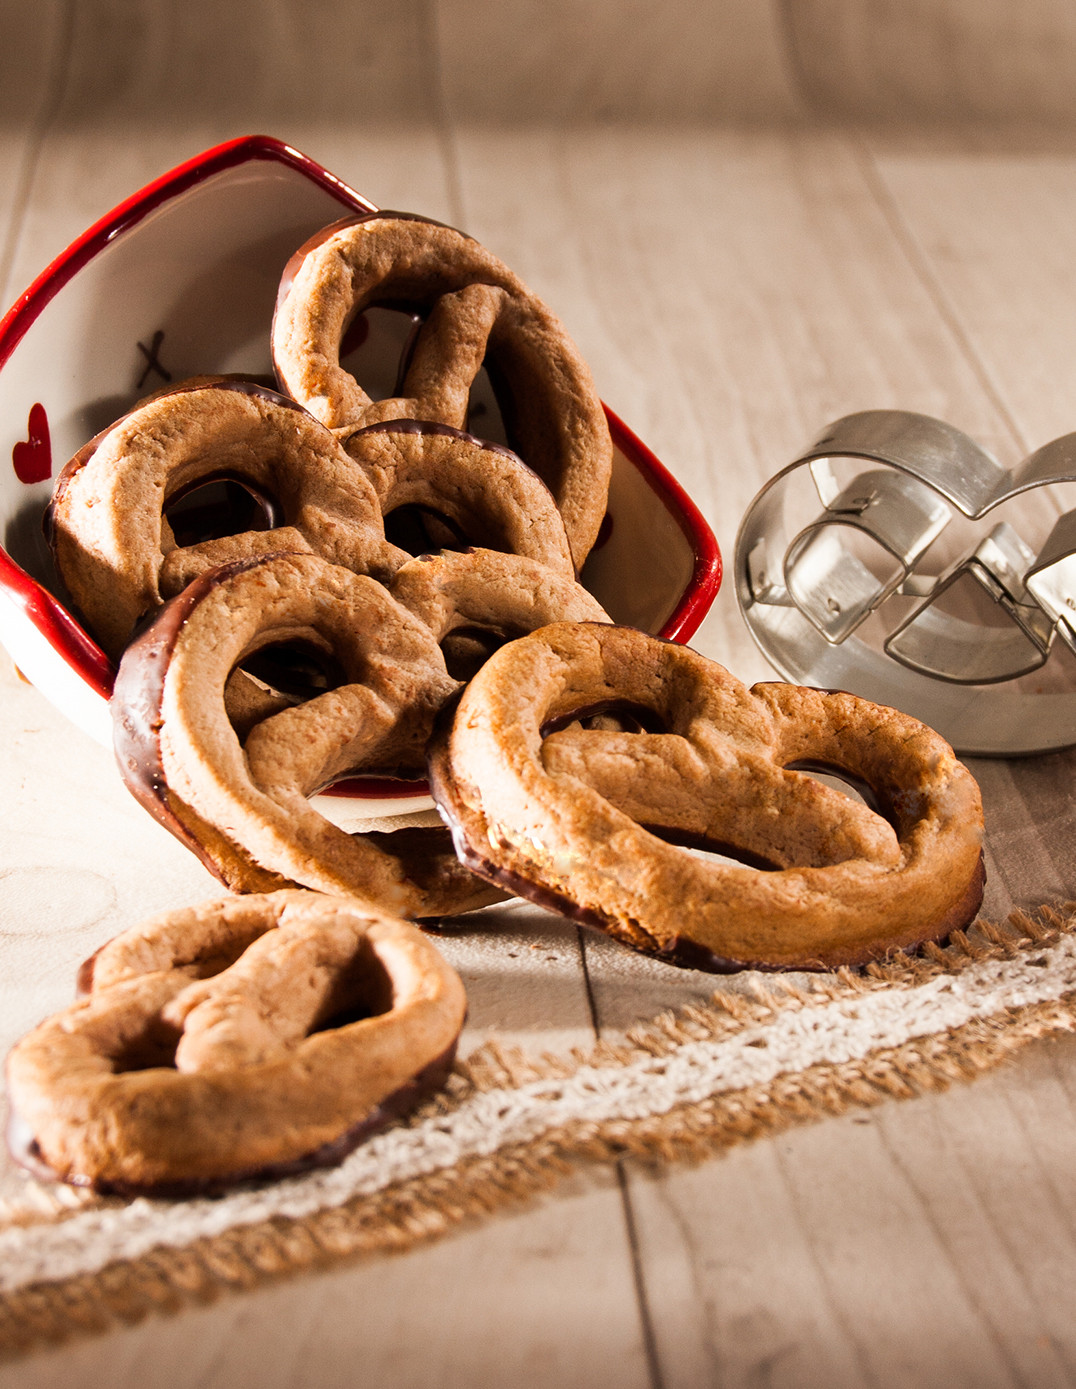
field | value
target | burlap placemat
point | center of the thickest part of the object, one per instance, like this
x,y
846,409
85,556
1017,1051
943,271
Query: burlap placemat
x,y
681,1087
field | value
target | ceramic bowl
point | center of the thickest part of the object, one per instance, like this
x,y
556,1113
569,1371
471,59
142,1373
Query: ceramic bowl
x,y
181,280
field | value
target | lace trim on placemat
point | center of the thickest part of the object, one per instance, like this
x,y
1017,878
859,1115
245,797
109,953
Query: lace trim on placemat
x,y
508,1126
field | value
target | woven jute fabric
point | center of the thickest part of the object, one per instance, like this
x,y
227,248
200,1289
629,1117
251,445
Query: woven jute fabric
x,y
679,1088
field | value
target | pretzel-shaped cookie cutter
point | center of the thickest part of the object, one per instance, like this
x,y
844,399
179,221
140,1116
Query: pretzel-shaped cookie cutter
x,y
807,587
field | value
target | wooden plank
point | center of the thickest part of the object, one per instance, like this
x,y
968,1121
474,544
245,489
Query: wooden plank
x,y
35,51
733,291
105,100
1029,826
936,62
568,63
994,229
141,67
542,1298
988,1166
928,1242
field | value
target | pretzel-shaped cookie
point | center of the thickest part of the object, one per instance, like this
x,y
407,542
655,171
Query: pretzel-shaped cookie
x,y
580,817
479,312
248,1037
242,806
111,537
464,490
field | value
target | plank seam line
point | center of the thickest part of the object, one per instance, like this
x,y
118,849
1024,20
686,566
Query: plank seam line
x,y
979,1299
642,1299
795,67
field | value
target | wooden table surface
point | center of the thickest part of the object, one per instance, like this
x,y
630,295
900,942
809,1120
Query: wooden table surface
x,y
752,221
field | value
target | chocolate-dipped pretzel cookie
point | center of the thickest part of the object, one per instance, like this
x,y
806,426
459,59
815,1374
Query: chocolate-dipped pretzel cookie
x,y
241,803
476,312
582,759
117,518
248,1037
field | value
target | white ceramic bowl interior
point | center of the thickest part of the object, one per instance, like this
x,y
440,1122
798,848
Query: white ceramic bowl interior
x,y
181,280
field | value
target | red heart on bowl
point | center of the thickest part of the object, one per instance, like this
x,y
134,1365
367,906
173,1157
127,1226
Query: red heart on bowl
x,y
32,456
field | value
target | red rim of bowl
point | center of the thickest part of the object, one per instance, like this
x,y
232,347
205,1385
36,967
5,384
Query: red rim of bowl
x,y
52,619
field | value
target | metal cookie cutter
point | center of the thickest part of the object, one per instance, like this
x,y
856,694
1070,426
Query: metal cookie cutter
x,y
836,580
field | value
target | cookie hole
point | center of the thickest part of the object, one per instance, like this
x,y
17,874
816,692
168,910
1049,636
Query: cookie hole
x,y
467,649
840,780
484,417
152,1048
492,410
207,966
364,990
423,530
714,851
354,1011
376,348
297,670
213,508
611,716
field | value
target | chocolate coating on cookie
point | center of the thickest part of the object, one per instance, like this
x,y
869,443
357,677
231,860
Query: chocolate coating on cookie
x,y
136,727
